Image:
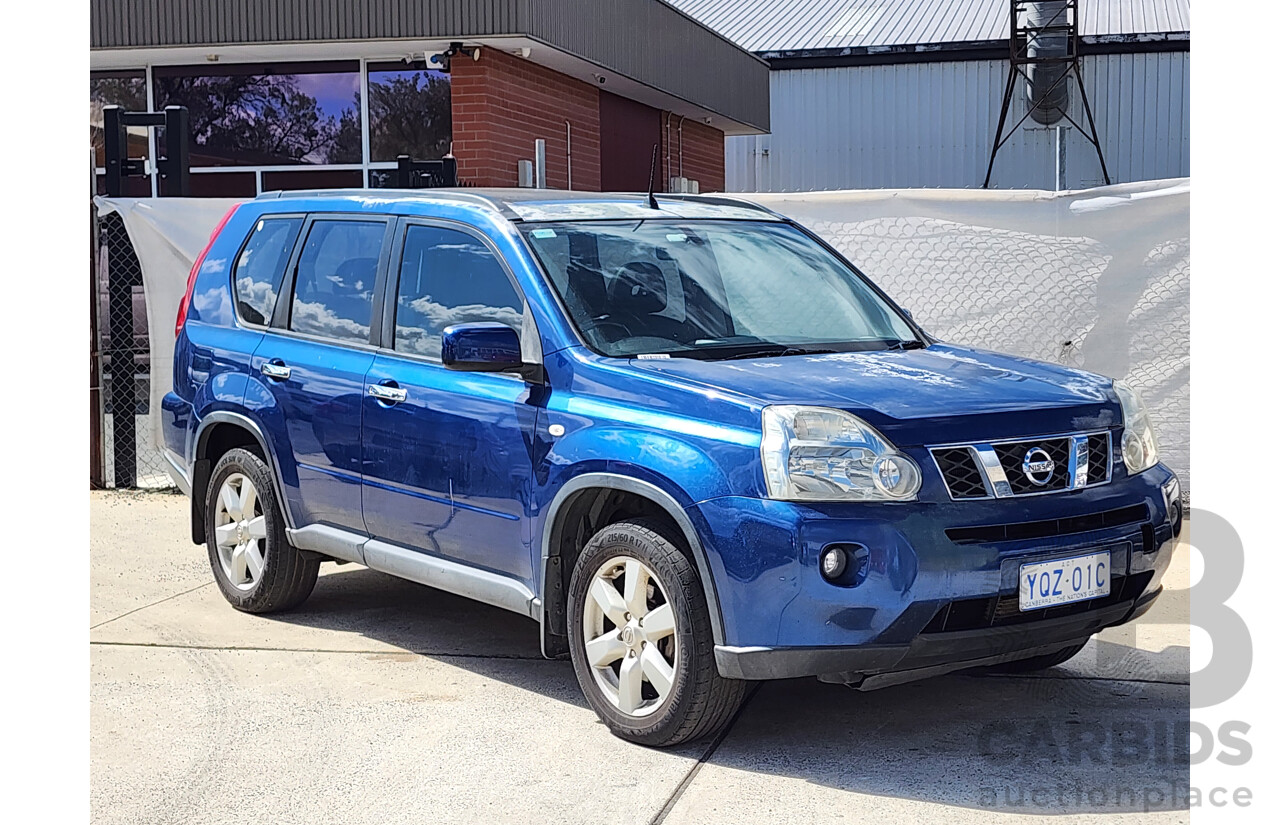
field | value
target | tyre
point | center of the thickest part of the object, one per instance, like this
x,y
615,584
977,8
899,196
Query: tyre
x,y
640,639
256,568
1034,663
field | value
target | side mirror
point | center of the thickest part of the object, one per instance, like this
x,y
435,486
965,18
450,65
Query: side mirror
x,y
483,346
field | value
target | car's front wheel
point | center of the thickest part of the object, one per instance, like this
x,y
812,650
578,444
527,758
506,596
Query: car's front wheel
x,y
256,568
640,638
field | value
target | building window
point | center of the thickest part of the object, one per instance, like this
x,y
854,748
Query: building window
x,y
267,114
127,89
410,112
251,121
312,179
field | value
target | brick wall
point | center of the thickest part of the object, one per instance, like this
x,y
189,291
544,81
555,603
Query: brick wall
x,y
703,152
503,103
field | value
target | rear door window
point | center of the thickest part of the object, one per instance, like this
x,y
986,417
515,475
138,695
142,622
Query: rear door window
x,y
449,277
260,268
333,289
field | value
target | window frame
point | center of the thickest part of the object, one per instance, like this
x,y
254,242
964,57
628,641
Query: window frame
x,y
284,275
390,298
281,318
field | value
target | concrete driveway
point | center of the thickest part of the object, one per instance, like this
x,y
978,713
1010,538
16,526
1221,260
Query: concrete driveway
x,y
382,701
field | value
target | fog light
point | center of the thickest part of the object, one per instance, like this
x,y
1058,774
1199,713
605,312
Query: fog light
x,y
833,563
1173,504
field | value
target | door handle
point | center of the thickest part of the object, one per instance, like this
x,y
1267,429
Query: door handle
x,y
391,395
277,370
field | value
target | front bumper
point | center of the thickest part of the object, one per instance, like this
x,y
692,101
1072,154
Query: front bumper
x,y
933,598
874,666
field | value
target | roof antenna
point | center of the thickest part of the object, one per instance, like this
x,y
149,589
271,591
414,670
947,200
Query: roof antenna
x,y
653,165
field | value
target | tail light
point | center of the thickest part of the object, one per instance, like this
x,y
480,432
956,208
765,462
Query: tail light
x,y
191,279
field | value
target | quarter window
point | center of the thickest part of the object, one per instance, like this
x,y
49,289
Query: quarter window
x,y
448,277
260,268
333,292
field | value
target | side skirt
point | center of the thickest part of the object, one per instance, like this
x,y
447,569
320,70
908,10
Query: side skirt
x,y
433,571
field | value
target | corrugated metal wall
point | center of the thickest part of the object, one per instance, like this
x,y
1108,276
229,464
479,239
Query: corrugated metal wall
x,y
931,125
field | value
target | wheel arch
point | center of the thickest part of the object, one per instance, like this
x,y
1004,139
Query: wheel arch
x,y
592,490
219,431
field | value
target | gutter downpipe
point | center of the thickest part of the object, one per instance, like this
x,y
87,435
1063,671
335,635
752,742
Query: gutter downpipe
x,y
680,137
568,154
664,187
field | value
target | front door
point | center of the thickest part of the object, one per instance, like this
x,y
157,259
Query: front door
x,y
312,365
447,464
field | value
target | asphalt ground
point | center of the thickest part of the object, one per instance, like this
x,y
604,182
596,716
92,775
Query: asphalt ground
x,y
382,701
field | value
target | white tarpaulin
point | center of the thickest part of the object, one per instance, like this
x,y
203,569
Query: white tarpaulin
x,y
167,235
1098,279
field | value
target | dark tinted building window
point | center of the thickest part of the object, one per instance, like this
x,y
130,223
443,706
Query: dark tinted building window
x,y
260,268
127,89
312,179
267,114
224,185
333,294
410,112
449,277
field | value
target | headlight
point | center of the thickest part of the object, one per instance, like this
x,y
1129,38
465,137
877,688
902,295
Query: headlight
x,y
1139,440
819,454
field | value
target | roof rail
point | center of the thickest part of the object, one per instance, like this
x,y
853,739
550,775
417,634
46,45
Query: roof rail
x,y
720,200
420,194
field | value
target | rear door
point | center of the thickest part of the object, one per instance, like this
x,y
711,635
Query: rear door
x,y
312,363
447,454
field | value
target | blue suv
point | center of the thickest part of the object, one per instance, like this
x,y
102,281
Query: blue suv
x,y
683,434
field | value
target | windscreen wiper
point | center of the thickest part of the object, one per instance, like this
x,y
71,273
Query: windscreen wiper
x,y
776,352
901,345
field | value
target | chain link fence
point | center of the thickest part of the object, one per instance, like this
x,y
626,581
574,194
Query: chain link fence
x,y
129,458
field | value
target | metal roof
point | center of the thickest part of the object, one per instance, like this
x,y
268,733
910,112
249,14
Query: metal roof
x,y
773,26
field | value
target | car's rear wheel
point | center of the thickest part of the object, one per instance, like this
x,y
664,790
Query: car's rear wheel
x,y
640,638
256,568
1035,663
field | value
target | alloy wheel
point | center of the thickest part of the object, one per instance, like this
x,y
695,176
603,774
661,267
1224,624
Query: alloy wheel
x,y
630,630
240,531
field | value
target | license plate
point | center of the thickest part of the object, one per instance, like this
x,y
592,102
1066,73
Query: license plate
x,y
1063,581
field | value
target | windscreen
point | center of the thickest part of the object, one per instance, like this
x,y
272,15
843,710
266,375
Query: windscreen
x,y
711,289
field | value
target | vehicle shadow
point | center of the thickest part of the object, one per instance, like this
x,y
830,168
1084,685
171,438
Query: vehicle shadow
x,y
1051,743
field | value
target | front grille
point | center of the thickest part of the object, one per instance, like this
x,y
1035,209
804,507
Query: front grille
x,y
1048,528
972,471
1001,611
1099,457
1011,456
960,471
